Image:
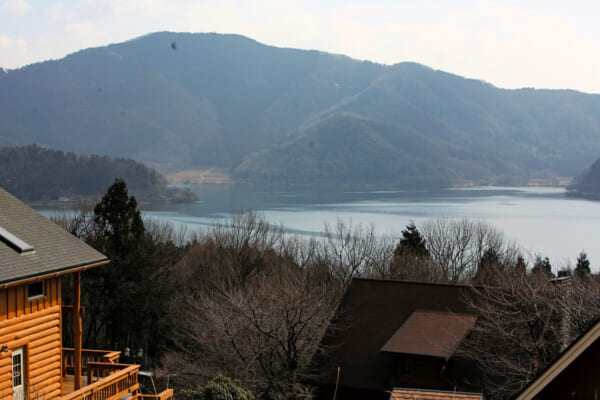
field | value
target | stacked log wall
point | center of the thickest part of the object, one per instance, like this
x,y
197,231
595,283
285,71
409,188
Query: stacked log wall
x,y
34,325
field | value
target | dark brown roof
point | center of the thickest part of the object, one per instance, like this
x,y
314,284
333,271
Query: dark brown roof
x,y
416,394
54,249
430,333
372,312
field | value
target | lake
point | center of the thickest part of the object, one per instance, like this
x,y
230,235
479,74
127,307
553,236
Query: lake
x,y
541,220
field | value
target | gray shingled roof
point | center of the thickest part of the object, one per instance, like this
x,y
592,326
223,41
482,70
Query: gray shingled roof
x,y
54,249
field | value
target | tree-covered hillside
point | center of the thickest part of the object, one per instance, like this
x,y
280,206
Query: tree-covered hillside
x,y
349,150
587,183
36,173
226,101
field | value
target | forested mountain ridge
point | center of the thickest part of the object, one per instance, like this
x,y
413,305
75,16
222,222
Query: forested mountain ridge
x,y
35,173
587,183
229,101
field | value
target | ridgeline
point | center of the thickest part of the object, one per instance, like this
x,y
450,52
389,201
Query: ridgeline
x,y
294,116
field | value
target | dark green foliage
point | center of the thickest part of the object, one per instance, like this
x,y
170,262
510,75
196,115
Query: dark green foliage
x,y
36,173
520,266
542,266
224,388
127,297
219,99
582,269
219,388
119,222
489,269
411,243
564,273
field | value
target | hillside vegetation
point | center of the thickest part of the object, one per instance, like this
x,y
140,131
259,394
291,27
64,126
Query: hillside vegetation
x,y
587,183
36,173
294,116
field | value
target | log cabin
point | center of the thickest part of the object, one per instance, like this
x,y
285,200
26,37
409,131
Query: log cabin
x,y
35,255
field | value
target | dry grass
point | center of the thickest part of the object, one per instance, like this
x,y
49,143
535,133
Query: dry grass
x,y
196,176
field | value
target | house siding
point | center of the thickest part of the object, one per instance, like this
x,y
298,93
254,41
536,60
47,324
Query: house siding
x,y
34,325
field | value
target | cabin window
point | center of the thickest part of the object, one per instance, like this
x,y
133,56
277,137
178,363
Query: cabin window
x,y
35,290
17,369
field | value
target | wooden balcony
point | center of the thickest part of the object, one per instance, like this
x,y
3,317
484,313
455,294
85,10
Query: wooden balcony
x,y
122,381
104,378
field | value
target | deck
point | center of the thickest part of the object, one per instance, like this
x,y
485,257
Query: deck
x,y
68,384
104,378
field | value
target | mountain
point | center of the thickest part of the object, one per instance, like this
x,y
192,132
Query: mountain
x,y
35,173
347,149
208,102
587,183
294,116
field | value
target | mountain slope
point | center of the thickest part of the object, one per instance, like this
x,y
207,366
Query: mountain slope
x,y
229,101
348,149
587,183
208,102
542,131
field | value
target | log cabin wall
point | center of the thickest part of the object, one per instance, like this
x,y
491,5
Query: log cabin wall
x,y
34,325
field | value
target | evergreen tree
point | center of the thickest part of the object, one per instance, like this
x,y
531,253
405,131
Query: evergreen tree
x,y
121,296
542,266
582,269
489,268
521,265
219,388
411,243
563,273
119,222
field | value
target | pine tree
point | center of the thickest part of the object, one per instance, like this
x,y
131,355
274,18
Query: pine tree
x,y
582,269
411,243
542,266
521,265
118,292
489,268
120,224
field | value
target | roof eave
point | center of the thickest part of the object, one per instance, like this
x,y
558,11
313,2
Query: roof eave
x,y
53,273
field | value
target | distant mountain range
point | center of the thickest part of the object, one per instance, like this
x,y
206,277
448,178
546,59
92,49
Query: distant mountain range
x,y
294,116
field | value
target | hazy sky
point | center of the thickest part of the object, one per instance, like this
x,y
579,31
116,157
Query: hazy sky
x,y
542,44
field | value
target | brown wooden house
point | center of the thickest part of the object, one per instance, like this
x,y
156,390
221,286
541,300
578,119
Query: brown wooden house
x,y
34,254
398,334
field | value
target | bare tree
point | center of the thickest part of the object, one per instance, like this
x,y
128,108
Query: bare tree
x,y
458,245
78,220
524,325
354,251
254,306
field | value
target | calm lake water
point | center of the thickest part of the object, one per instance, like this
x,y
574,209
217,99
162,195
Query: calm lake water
x,y
541,220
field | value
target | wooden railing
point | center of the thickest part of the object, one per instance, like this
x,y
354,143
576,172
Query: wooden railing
x,y
88,356
121,380
164,395
106,378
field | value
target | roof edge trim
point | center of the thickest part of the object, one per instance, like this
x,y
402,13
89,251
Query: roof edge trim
x,y
54,273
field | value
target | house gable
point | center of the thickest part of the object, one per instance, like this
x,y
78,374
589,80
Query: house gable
x,y
365,345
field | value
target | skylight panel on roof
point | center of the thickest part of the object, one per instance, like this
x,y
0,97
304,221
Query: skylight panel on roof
x,y
14,242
